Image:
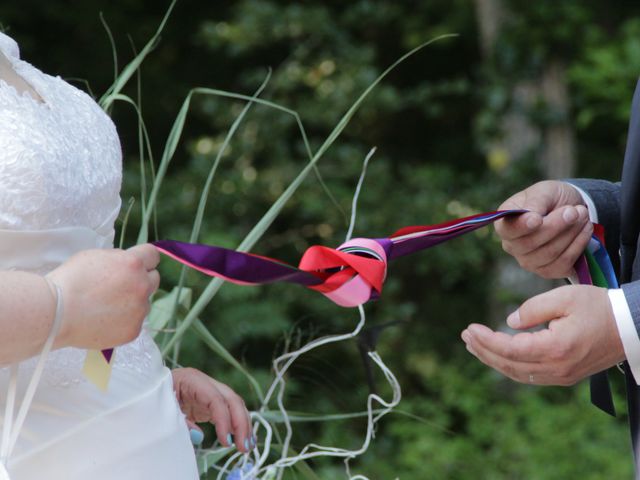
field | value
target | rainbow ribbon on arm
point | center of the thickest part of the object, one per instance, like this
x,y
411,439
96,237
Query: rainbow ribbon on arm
x,y
594,267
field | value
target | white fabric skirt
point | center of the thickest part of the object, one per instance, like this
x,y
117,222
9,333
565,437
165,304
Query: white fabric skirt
x,y
132,432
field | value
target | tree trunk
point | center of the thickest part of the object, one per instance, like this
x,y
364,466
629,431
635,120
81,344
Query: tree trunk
x,y
551,145
558,149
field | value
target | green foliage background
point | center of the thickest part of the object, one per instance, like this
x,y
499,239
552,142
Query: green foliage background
x,y
432,121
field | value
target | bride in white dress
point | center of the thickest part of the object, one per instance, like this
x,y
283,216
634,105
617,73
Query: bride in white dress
x,y
60,174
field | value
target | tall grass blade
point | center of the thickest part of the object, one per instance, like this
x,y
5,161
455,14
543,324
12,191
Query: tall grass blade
x,y
217,347
204,196
268,218
125,221
163,309
112,42
107,99
173,140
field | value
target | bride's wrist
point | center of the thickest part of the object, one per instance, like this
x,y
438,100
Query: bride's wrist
x,y
64,334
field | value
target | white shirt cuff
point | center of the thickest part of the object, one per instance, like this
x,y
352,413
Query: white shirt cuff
x,y
626,330
593,213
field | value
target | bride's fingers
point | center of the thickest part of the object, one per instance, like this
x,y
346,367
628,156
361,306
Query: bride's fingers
x,y
239,418
147,253
195,432
220,417
154,281
203,399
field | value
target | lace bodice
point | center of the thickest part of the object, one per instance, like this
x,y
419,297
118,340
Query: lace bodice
x,y
60,170
61,159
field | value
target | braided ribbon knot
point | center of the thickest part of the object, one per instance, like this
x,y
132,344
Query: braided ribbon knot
x,y
352,274
349,275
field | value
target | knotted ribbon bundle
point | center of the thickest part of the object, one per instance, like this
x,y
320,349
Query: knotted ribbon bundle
x,y
349,275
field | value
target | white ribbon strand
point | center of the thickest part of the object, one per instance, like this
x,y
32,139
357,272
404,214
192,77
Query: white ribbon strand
x,y
11,429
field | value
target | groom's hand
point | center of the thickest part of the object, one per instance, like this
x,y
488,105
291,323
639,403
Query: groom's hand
x,y
581,338
552,235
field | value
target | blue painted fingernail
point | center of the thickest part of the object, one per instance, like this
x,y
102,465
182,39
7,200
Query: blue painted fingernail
x,y
196,436
246,444
229,440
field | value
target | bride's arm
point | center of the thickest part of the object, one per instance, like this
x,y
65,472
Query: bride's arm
x,y
105,299
27,307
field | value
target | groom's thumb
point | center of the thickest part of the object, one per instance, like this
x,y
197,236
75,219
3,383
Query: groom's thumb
x,y
540,309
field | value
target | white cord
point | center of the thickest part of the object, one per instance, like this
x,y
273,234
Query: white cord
x,y
259,468
268,471
356,195
11,429
8,414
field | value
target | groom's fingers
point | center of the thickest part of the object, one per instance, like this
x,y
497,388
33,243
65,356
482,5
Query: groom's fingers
x,y
513,228
545,372
519,357
528,357
563,264
523,372
522,347
548,252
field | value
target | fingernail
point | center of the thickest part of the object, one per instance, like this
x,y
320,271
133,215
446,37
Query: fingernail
x,y
570,215
466,336
532,221
513,320
246,444
583,213
229,440
196,436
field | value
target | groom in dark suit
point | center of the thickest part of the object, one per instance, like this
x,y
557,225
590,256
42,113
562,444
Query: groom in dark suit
x,y
589,329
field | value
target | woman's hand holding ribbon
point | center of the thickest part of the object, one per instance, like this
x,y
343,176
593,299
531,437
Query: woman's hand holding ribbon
x,y
106,295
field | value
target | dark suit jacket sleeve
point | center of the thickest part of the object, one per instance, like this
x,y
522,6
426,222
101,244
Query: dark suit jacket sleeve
x,y
606,198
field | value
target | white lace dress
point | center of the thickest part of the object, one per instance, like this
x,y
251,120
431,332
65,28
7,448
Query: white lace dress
x,y
60,173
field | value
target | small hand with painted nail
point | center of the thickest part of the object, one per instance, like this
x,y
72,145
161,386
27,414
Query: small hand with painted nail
x,y
203,399
552,235
581,338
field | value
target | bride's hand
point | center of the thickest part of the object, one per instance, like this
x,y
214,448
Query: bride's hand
x,y
203,399
106,295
